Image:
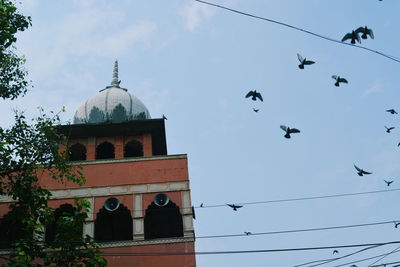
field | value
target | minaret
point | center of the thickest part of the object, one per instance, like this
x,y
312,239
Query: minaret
x,y
115,82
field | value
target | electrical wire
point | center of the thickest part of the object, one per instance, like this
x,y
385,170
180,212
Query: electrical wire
x,y
393,251
300,29
366,259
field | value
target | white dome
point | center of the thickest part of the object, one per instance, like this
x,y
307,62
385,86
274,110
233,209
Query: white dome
x,y
112,104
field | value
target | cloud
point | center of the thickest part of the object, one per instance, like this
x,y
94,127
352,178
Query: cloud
x,y
194,13
376,87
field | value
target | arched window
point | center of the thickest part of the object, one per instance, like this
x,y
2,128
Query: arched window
x,y
65,210
10,231
113,225
77,152
163,221
133,149
105,151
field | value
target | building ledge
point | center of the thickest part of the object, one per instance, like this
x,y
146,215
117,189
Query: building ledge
x,y
105,161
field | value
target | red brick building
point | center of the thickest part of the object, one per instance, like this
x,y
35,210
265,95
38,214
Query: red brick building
x,y
140,195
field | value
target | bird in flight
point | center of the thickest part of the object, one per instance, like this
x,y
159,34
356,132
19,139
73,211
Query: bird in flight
x,y
164,118
247,233
289,130
234,207
389,129
304,61
388,182
254,95
353,36
256,110
361,172
339,80
391,111
335,251
201,205
365,32
396,224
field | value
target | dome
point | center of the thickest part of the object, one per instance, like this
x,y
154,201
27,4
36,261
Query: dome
x,y
112,104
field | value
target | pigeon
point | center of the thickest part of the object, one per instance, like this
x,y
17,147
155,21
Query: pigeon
x,y
289,130
339,80
396,224
365,32
254,95
234,207
304,61
388,182
389,129
353,36
164,118
335,251
361,172
256,110
247,233
391,111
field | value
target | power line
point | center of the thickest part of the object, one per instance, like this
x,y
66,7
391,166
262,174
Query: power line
x,y
393,251
300,29
248,251
366,259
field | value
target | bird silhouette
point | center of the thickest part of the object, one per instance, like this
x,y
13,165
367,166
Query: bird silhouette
x,y
388,182
389,129
361,172
256,110
339,80
365,31
254,95
353,36
396,224
247,233
164,118
391,111
398,144
335,251
201,205
234,207
353,265
304,61
289,130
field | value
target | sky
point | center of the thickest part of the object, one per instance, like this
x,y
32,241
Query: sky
x,y
195,63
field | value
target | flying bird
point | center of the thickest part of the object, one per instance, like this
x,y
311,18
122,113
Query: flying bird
x,y
254,95
164,118
304,61
391,111
339,80
234,207
398,144
335,251
365,32
361,172
396,224
289,130
247,233
201,205
353,36
388,182
256,110
389,129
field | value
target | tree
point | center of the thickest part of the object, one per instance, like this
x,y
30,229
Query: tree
x,y
26,151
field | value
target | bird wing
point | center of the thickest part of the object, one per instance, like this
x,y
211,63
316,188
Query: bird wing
x,y
364,172
237,206
343,80
360,30
334,77
358,169
231,205
251,93
347,36
301,59
283,127
391,128
259,96
370,33
308,62
390,110
294,130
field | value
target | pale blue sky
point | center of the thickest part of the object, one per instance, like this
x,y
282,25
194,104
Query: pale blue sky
x,y
195,63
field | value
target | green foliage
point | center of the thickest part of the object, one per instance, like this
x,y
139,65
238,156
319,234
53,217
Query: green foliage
x,y
96,115
119,114
12,73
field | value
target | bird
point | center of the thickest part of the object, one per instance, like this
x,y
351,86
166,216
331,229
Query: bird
x,y
389,129
256,110
304,61
254,95
201,205
365,32
335,251
353,36
396,224
289,131
391,111
361,172
164,118
398,144
388,182
234,207
247,233
353,265
339,80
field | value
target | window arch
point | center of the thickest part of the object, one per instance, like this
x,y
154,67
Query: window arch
x,y
163,222
10,231
77,152
53,229
105,151
133,148
113,225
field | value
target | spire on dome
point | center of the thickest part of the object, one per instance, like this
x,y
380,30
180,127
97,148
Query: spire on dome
x,y
115,82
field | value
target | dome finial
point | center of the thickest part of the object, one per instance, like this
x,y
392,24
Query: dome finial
x,y
115,82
